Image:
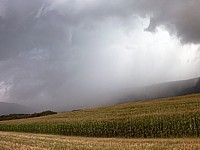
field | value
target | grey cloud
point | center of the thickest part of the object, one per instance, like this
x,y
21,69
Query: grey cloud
x,y
2,10
182,18
21,29
64,54
47,20
179,17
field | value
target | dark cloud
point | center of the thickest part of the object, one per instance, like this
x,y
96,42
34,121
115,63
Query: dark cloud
x,y
179,17
65,54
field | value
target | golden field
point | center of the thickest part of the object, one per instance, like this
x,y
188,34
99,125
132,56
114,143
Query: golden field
x,y
26,141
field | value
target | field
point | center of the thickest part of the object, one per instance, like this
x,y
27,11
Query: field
x,y
177,117
20,141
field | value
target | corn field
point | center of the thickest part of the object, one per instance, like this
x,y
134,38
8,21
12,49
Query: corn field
x,y
167,118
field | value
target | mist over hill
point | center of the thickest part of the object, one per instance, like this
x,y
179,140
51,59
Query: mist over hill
x,y
12,108
162,90
156,91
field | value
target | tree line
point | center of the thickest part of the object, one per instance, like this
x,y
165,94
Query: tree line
x,y
23,116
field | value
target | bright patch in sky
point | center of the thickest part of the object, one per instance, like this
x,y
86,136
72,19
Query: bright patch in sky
x,y
133,56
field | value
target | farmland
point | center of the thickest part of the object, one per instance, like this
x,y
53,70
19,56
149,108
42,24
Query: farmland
x,y
177,117
19,141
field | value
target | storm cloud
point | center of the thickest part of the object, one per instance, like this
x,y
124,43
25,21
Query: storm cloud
x,y
66,54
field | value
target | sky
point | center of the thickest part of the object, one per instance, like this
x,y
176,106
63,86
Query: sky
x,y
69,54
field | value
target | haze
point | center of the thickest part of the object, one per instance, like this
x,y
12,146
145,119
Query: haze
x,y
69,54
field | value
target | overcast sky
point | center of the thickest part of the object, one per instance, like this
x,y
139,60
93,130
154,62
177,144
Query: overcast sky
x,y
66,54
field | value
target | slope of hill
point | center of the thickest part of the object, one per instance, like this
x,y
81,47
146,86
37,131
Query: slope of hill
x,y
162,90
171,117
12,108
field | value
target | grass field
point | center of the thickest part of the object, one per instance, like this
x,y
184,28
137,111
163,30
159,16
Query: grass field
x,y
22,141
177,117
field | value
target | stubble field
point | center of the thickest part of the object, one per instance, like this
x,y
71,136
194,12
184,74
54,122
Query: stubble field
x,y
26,141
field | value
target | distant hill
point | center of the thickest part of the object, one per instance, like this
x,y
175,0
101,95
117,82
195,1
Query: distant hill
x,y
12,108
162,90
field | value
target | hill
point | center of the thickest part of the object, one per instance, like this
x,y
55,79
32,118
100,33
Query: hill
x,y
170,117
12,108
162,90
